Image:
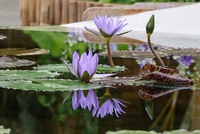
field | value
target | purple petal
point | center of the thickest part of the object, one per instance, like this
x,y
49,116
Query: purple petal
x,y
70,69
93,31
75,103
75,63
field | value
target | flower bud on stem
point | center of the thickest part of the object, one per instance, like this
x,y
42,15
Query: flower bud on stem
x,y
149,31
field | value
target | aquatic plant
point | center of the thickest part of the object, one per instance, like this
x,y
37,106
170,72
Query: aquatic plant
x,y
84,67
107,27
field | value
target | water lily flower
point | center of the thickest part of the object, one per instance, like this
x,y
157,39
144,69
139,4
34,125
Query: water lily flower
x,y
185,60
84,67
107,27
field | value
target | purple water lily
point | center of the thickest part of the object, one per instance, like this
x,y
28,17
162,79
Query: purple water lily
x,y
185,60
108,26
83,67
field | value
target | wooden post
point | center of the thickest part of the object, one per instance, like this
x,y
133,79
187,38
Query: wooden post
x,y
65,12
47,12
38,11
24,12
73,8
81,9
57,12
32,12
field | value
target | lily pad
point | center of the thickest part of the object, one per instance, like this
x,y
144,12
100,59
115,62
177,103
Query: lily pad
x,y
49,85
24,75
162,74
162,53
11,61
120,81
22,51
62,68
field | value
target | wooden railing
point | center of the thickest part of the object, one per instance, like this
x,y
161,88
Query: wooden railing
x,y
54,12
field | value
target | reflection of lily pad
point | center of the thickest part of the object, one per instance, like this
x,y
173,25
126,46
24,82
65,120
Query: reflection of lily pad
x,y
49,85
162,74
22,51
11,61
62,68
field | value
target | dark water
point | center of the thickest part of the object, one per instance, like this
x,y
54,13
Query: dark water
x,y
23,112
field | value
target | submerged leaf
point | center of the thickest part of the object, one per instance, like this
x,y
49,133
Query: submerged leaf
x,y
149,107
48,85
162,74
11,61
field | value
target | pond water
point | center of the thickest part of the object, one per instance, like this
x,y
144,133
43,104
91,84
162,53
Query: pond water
x,y
34,112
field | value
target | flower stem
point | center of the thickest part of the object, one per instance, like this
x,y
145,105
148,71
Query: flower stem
x,y
107,91
109,52
153,51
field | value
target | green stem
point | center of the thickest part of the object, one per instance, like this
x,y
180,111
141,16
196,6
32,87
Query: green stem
x,y
153,51
107,91
109,52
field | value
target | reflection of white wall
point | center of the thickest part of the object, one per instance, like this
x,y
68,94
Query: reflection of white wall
x,y
174,27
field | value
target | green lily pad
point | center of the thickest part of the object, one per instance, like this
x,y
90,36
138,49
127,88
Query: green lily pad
x,y
62,68
24,74
49,85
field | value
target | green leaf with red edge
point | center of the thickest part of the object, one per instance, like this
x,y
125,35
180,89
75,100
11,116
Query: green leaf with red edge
x,y
162,74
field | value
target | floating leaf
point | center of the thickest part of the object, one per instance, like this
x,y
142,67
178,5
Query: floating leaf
x,y
24,74
120,81
149,107
162,74
11,61
180,131
22,51
162,53
62,68
49,85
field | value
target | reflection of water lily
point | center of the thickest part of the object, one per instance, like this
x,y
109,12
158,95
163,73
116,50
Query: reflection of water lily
x,y
79,99
185,60
111,106
108,26
108,105
83,67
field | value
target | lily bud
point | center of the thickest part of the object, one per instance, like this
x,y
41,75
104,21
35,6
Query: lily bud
x,y
150,26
